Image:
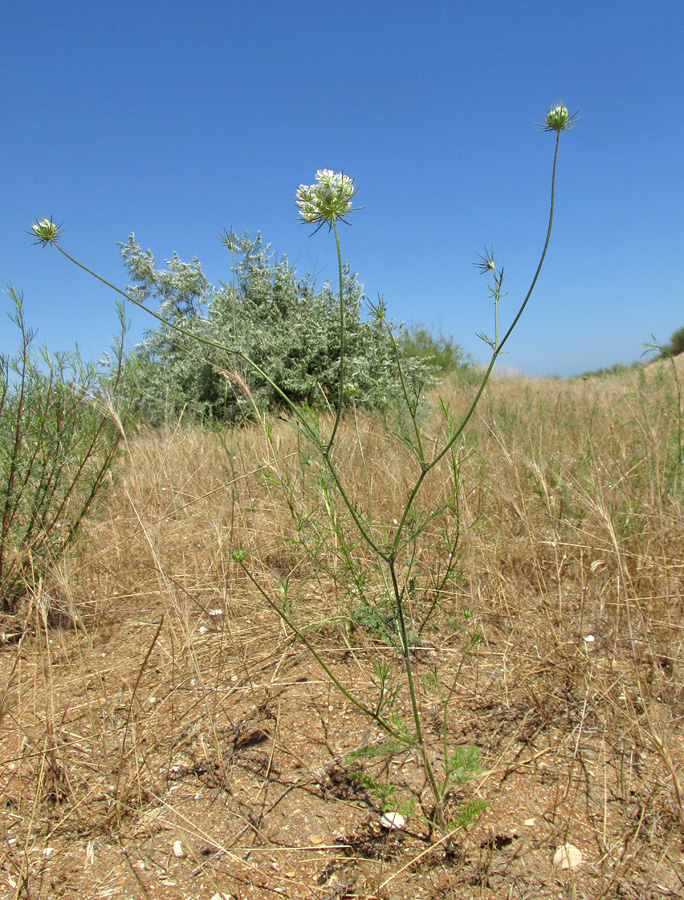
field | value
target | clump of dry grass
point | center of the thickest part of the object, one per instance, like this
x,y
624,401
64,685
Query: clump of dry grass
x,y
155,696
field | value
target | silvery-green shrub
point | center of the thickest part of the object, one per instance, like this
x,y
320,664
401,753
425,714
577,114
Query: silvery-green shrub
x,y
284,323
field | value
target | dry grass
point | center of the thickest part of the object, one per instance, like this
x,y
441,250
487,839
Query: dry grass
x,y
155,697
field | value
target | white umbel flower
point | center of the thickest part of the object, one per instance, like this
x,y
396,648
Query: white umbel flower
x,y
327,200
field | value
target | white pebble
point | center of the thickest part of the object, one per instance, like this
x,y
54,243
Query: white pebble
x,y
567,857
392,821
178,849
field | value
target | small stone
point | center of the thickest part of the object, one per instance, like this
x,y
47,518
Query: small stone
x,y
178,851
567,857
317,839
392,821
530,822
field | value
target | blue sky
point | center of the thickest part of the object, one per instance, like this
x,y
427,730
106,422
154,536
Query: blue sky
x,y
176,120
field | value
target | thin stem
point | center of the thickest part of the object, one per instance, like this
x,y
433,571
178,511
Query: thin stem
x,y
366,473
383,723
546,247
497,294
445,707
680,458
412,407
304,424
473,406
232,253
417,721
340,394
358,521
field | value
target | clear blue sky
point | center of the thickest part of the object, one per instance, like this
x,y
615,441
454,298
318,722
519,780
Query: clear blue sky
x,y
174,120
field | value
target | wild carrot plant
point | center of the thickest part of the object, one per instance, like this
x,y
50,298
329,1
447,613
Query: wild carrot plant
x,y
383,589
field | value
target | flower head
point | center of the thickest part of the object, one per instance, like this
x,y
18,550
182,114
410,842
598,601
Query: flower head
x,y
46,231
558,119
327,200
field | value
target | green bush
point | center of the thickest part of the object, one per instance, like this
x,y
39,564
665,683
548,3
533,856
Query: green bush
x,y
61,422
281,322
615,369
676,345
439,353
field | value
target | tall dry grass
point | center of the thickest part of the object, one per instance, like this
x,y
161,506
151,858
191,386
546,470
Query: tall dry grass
x,y
570,562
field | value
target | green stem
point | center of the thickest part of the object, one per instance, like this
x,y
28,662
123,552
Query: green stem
x,y
417,721
445,708
340,395
546,247
232,253
497,297
383,723
369,490
412,407
309,431
473,406
358,521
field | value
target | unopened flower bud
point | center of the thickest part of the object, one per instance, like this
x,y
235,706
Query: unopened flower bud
x,y
558,119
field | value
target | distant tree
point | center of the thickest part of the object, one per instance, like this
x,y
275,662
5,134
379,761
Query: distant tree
x,y
441,354
676,345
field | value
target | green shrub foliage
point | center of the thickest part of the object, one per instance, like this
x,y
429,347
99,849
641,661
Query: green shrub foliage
x,y
61,423
439,352
676,345
285,324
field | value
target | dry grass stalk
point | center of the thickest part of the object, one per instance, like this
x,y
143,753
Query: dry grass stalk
x,y
213,725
